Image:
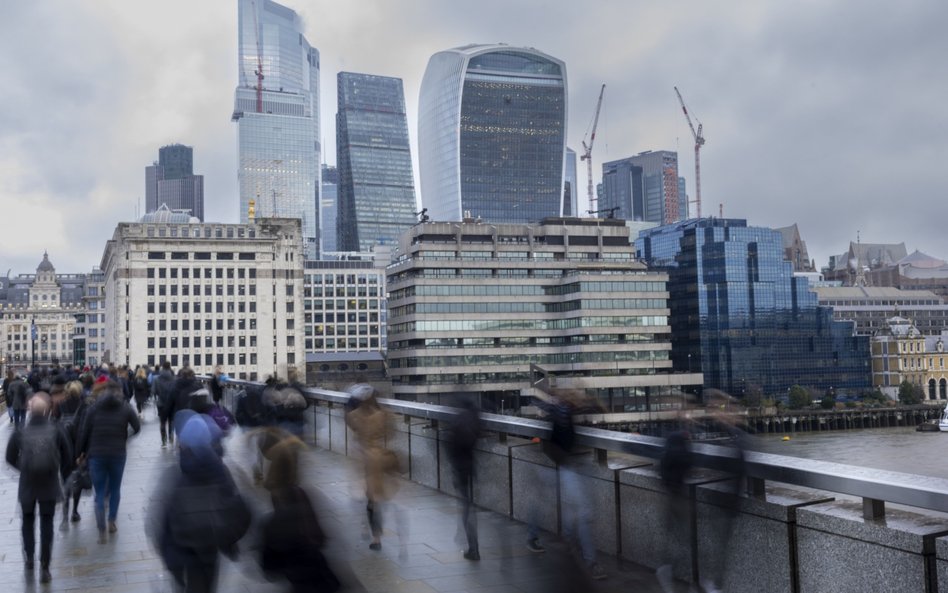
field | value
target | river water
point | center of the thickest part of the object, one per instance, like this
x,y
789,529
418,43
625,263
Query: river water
x,y
896,449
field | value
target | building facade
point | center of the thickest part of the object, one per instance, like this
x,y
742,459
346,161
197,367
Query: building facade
x,y
39,314
485,309
203,295
344,303
376,184
492,134
870,308
902,353
278,138
853,268
740,316
570,186
644,187
915,271
171,182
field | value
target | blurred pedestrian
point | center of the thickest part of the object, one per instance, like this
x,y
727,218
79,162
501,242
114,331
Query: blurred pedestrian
x,y
37,452
372,426
198,513
140,390
20,392
102,443
462,436
674,467
163,390
216,384
69,414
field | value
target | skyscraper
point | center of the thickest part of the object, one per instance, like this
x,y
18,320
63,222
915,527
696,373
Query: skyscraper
x,y
570,191
171,181
643,187
277,117
740,316
376,186
328,208
492,134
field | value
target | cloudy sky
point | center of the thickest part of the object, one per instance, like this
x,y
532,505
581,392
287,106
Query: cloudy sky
x,y
831,113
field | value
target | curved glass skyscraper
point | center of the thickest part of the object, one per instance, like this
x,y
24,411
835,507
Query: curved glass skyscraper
x,y
277,129
492,134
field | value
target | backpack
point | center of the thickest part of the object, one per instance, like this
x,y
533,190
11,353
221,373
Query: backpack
x,y
208,515
39,452
249,409
221,416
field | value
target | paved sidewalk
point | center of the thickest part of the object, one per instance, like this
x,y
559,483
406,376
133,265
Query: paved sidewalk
x,y
421,548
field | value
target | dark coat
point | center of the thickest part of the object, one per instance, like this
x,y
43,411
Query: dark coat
x,y
45,488
163,388
181,396
19,394
105,428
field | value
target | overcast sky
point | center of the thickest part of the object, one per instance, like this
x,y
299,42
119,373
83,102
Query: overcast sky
x,y
831,113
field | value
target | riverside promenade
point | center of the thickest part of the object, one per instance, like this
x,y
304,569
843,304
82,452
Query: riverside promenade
x,y
421,551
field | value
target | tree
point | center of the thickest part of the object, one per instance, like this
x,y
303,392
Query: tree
x,y
799,397
829,400
909,394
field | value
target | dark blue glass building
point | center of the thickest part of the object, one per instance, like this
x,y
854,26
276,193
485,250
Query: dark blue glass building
x,y
376,192
740,316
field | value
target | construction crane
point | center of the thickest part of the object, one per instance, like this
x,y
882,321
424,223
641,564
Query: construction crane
x,y
259,70
699,142
588,149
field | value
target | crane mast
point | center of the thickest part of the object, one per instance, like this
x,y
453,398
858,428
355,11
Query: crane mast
x,y
587,153
259,70
699,142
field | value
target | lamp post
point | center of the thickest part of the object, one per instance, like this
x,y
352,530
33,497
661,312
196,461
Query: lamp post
x,y
33,344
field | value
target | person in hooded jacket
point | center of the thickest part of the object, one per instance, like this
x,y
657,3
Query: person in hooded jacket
x,y
163,390
200,513
102,443
180,399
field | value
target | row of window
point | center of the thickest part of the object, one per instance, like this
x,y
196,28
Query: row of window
x,y
202,255
209,290
209,324
527,306
523,358
342,344
526,289
207,273
504,325
340,291
521,342
209,307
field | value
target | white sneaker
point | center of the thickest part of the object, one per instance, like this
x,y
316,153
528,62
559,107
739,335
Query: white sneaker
x,y
664,576
709,587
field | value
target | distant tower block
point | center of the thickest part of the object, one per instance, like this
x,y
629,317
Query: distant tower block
x,y
252,210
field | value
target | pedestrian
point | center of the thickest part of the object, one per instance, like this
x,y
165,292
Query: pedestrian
x,y
216,384
7,380
69,414
20,392
37,452
372,426
102,442
199,513
462,436
163,390
560,406
140,389
674,467
180,399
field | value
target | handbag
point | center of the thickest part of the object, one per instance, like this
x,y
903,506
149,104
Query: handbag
x,y
80,479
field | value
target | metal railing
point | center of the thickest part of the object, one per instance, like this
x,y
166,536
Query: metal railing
x,y
875,487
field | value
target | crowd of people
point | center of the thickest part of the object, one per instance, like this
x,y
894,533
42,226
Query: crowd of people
x,y
72,427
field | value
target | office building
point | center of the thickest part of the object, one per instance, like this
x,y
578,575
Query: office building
x,y
794,249
915,271
328,208
740,316
171,181
376,186
870,308
492,134
571,187
683,199
489,309
644,187
277,117
853,267
39,316
902,353
203,294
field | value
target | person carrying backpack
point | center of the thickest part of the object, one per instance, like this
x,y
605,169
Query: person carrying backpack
x,y
37,450
20,392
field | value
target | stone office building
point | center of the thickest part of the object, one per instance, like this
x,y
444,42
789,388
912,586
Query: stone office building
x,y
205,294
489,310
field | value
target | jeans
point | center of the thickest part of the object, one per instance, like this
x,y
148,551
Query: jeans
x,y
47,510
19,416
577,512
106,473
463,483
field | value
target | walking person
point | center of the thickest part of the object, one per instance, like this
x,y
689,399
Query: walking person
x,y
69,414
37,452
199,513
372,426
464,430
20,392
140,390
102,442
7,380
163,390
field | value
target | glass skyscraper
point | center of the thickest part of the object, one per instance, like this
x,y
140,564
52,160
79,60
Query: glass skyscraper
x,y
740,316
376,187
570,190
278,125
644,187
492,134
172,182
329,201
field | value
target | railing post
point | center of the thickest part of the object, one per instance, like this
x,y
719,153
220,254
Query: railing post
x,y
755,486
873,508
602,457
